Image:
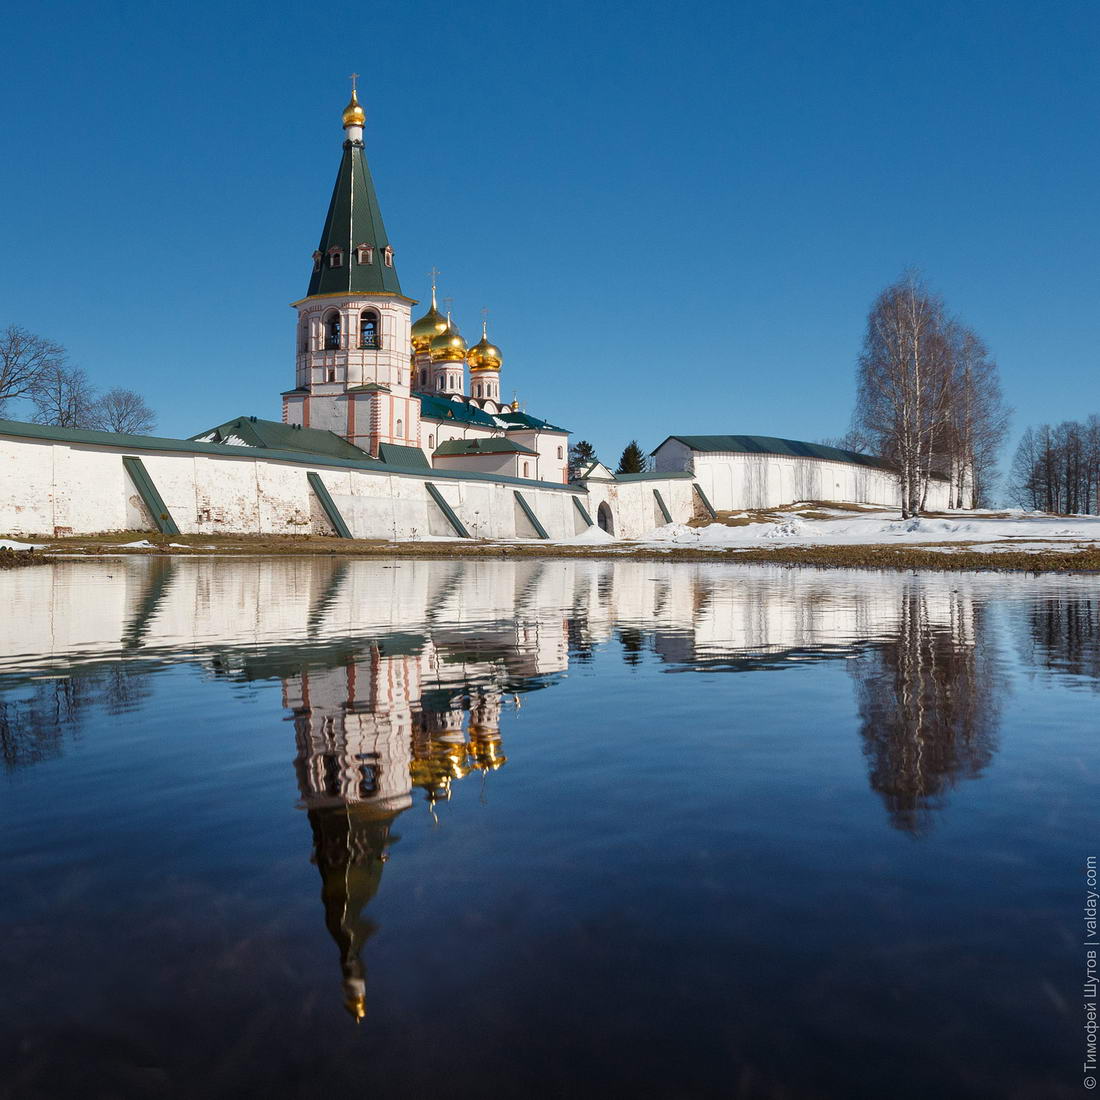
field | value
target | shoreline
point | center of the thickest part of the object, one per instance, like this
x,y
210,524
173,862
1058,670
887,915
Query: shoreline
x,y
938,557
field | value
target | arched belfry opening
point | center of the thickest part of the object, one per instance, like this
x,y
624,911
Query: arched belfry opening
x,y
333,331
604,518
368,330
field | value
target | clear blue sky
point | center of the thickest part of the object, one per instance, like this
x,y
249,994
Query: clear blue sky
x,y
678,214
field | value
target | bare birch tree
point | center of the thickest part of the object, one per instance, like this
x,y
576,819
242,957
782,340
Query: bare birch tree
x,y
929,398
904,384
978,420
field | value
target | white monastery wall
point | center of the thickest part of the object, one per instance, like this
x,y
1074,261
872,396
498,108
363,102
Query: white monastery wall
x,y
54,488
734,481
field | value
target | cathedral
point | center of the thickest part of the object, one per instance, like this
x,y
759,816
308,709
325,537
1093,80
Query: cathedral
x,y
407,392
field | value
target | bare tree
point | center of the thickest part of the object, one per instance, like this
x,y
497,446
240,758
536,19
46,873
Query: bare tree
x,y
24,359
852,440
978,419
905,384
120,410
64,397
1058,469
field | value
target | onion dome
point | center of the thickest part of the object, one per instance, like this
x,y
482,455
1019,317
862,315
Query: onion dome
x,y
431,325
448,346
484,356
354,115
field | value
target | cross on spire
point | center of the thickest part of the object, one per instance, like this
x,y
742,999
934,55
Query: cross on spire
x,y
485,321
353,78
448,302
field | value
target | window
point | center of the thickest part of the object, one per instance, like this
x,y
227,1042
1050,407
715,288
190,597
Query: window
x,y
400,429
423,377
335,257
364,254
439,383
317,258
526,469
332,376
387,256
368,329
431,442
560,454
333,332
303,335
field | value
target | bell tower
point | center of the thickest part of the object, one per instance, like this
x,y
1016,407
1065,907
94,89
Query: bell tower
x,y
352,372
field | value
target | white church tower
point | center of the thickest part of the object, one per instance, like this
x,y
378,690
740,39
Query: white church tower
x,y
353,371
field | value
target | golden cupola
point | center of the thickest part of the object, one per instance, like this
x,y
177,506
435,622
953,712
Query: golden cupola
x,y
448,346
484,356
428,327
354,115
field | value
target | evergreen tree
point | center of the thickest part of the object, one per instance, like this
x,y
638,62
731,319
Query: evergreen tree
x,y
581,455
633,460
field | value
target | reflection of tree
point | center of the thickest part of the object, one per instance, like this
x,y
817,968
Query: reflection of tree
x,y
1064,637
350,845
929,703
33,726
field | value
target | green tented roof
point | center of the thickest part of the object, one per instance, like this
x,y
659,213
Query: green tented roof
x,y
394,454
772,445
354,218
495,445
250,431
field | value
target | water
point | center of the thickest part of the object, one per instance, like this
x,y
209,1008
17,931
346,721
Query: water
x,y
561,828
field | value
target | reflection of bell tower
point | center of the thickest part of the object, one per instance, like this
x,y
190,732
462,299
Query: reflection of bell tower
x,y
352,726
350,848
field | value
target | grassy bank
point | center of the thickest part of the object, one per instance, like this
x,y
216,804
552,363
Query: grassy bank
x,y
18,559
1061,558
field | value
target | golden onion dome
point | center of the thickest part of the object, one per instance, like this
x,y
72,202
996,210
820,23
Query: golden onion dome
x,y
484,356
426,328
448,346
354,115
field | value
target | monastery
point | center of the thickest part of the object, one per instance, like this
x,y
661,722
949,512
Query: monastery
x,y
397,429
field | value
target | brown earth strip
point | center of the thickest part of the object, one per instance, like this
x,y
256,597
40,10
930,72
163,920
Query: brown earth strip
x,y
1074,558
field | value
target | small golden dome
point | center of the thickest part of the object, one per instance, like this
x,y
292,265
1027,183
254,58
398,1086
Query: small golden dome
x,y
354,115
448,346
431,325
483,355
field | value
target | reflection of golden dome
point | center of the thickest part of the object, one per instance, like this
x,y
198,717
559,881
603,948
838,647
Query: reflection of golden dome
x,y
483,355
448,346
356,1004
428,327
354,115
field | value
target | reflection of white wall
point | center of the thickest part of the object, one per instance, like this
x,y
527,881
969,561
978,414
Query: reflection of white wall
x,y
451,624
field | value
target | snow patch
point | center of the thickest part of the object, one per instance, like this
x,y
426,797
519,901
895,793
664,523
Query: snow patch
x,y
9,544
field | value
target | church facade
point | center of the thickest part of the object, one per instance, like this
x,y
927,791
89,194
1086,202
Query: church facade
x,y
365,370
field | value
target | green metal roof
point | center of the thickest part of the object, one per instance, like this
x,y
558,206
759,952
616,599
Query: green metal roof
x,y
354,218
250,431
436,407
411,458
443,408
772,445
654,475
122,441
496,445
